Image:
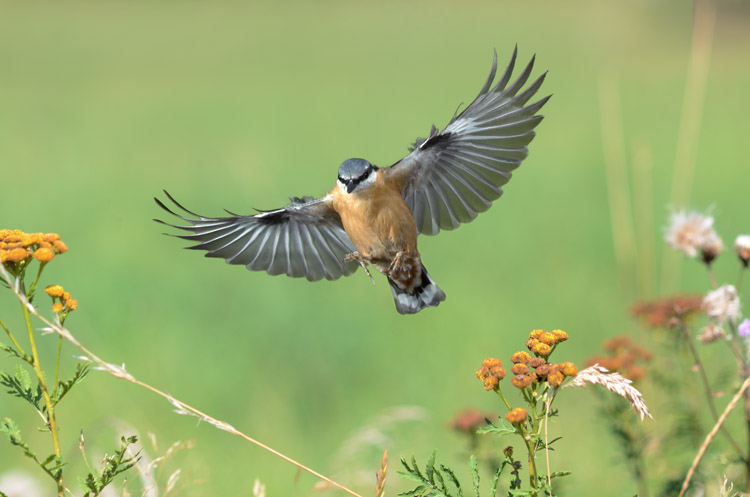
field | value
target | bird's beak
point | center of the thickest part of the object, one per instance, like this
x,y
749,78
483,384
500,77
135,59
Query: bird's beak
x,y
350,186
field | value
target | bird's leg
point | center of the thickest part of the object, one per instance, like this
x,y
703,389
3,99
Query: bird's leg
x,y
363,261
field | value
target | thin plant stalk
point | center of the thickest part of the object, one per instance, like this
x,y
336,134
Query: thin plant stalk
x,y
617,183
712,434
643,213
712,276
57,365
692,108
738,286
15,342
45,393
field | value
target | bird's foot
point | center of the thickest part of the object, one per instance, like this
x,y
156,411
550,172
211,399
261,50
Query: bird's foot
x,y
363,261
404,270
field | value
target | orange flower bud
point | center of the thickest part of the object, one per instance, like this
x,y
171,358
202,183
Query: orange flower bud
x,y
492,362
568,369
517,416
536,362
54,291
520,357
44,254
556,378
60,246
541,349
520,369
17,254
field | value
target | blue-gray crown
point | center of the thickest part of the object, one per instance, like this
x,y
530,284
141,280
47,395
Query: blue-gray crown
x,y
354,169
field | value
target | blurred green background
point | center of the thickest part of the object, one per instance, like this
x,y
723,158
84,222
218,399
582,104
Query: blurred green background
x,y
241,104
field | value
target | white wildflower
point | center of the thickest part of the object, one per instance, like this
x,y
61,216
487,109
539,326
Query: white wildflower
x,y
687,231
722,305
742,247
614,382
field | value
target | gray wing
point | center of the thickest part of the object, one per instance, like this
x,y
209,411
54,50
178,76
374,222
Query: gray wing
x,y
305,238
451,176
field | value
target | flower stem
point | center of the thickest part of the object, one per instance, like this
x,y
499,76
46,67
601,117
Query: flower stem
x,y
15,342
738,286
707,390
532,463
712,276
500,393
57,365
32,288
47,400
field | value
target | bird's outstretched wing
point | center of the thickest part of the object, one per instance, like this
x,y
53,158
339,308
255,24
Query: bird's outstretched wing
x,y
453,175
305,238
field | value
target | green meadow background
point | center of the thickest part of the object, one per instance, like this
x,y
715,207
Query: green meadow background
x,y
240,105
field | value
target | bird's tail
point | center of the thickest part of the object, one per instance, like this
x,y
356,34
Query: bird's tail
x,y
427,294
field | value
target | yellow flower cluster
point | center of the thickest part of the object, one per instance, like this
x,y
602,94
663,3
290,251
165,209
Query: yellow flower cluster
x,y
491,373
540,342
17,246
65,302
528,370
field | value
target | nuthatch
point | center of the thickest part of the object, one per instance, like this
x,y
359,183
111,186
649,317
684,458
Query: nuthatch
x,y
373,215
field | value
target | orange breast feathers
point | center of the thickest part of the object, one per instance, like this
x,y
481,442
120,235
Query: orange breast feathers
x,y
377,220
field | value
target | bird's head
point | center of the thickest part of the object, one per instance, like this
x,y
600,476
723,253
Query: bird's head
x,y
356,175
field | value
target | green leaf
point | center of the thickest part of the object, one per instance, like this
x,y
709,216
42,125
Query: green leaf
x,y
20,385
63,387
13,432
430,468
496,479
10,350
505,428
445,469
560,474
432,483
112,466
474,470
521,492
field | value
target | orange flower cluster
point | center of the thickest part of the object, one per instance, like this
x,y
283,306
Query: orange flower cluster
x,y
540,343
624,356
17,246
491,373
554,374
658,313
66,303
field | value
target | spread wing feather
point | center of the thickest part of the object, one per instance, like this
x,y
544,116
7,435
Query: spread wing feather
x,y
305,238
453,175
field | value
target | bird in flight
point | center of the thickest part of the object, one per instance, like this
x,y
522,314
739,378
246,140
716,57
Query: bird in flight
x,y
373,215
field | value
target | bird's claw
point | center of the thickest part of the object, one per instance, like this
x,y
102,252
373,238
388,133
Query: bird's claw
x,y
362,260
